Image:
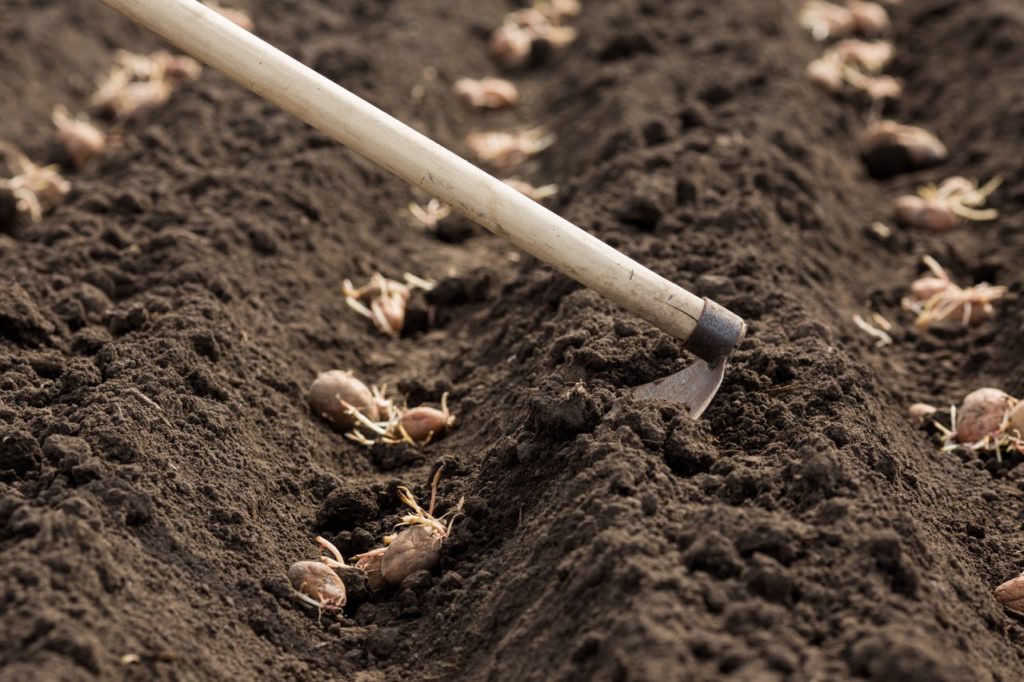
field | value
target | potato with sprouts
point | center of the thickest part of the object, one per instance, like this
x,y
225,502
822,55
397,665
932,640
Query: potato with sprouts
x,y
36,189
983,423
833,73
504,150
416,426
82,140
868,56
335,392
138,83
939,207
935,298
316,582
889,148
383,300
512,43
416,547
827,20
486,93
1010,594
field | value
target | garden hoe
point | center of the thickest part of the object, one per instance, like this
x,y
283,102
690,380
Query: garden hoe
x,y
709,330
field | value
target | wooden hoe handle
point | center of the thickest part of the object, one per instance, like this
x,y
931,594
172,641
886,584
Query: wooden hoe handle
x,y
325,105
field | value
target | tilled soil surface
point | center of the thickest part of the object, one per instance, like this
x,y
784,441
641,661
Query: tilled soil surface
x,y
159,468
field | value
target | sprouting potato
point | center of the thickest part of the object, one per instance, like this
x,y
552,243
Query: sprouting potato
x,y
383,300
36,189
870,57
938,208
318,585
888,147
833,73
827,73
486,93
987,420
504,149
138,84
981,414
416,547
827,20
335,392
1015,421
870,18
421,424
316,582
512,42
511,45
416,426
536,193
1010,594
82,140
936,298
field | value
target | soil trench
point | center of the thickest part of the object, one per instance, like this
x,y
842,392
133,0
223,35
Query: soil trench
x,y
159,469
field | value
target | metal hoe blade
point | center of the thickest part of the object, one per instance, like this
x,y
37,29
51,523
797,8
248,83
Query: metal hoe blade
x,y
694,386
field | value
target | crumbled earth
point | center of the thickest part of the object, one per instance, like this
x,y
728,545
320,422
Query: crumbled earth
x,y
159,468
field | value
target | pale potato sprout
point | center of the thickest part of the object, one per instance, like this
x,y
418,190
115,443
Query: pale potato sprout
x,y
505,149
416,547
416,426
920,412
82,140
429,215
235,16
486,93
536,193
383,301
936,298
36,189
938,207
882,338
983,422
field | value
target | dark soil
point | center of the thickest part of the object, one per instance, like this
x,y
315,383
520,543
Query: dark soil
x,y
159,470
